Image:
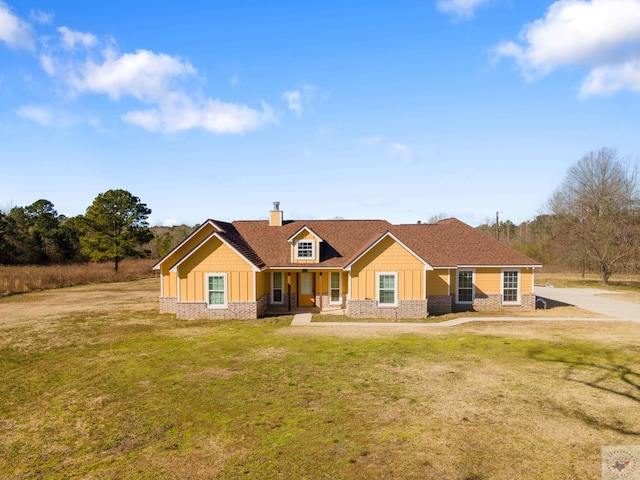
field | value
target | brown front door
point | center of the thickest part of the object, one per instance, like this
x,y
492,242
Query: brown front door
x,y
307,290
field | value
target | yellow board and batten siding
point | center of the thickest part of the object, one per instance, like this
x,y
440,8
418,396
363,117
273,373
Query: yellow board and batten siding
x,y
488,280
170,279
438,282
216,257
388,256
263,283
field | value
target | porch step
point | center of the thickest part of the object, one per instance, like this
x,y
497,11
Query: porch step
x,y
301,319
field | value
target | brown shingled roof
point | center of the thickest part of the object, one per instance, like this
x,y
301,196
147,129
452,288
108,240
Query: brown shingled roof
x,y
447,243
343,239
450,242
229,232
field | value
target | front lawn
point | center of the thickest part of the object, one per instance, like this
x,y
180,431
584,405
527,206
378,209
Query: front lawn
x,y
93,388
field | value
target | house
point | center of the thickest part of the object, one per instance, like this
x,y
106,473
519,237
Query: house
x,y
370,268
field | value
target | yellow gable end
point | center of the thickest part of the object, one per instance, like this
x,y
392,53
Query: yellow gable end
x,y
216,257
169,279
388,256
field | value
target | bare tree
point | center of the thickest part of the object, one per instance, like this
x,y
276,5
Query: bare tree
x,y
438,217
597,213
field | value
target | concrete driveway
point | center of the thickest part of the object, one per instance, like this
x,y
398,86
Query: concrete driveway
x,y
592,299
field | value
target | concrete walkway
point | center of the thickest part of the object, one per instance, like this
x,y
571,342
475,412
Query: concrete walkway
x,y
304,320
586,298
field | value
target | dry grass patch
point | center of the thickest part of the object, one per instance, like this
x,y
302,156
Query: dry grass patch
x,y
628,282
24,279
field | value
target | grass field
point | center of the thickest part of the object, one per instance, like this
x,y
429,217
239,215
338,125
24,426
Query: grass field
x,y
30,278
96,384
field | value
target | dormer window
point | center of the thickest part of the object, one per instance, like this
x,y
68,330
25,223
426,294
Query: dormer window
x,y
305,250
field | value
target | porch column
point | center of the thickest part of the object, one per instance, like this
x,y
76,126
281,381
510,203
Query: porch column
x,y
320,291
289,291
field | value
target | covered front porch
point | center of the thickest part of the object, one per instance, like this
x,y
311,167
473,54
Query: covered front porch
x,y
305,290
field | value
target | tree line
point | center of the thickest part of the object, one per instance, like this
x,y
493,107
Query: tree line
x,y
113,227
591,223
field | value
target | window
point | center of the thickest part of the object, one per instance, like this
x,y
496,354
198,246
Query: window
x,y
466,289
276,287
334,288
387,290
510,286
305,250
217,290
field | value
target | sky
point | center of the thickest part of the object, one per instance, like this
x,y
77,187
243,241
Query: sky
x,y
399,110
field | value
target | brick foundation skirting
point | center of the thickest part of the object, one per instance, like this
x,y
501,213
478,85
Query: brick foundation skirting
x,y
370,309
234,310
168,304
489,303
528,301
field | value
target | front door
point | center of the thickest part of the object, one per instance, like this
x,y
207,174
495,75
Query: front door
x,y
307,290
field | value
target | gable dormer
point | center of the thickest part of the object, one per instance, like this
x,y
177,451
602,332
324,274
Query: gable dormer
x,y
305,246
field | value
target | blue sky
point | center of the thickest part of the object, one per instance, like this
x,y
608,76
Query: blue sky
x,y
395,110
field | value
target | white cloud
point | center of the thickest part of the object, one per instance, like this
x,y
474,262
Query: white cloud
x,y
462,9
41,17
607,80
143,75
48,64
299,98
71,38
603,35
83,64
15,32
178,113
402,151
36,113
294,100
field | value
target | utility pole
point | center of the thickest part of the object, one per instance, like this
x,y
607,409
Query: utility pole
x,y
497,225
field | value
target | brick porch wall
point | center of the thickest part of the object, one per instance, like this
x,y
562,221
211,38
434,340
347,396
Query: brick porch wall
x,y
325,302
168,304
285,302
262,304
370,309
235,310
439,305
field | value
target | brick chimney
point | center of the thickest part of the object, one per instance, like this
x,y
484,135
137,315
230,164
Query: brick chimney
x,y
275,219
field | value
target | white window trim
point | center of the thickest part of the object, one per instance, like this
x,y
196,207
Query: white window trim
x,y
518,271
281,288
313,249
339,302
395,293
226,291
473,285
